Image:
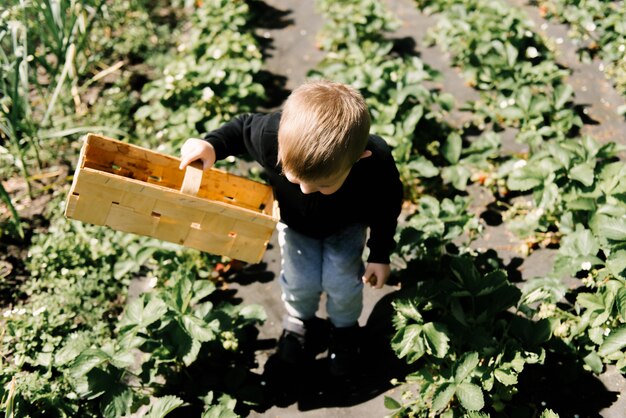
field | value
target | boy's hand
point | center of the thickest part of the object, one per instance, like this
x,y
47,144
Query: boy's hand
x,y
197,149
376,274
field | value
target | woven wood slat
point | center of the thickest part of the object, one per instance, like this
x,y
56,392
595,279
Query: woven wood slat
x,y
136,190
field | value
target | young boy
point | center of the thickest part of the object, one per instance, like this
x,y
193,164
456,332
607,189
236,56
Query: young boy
x,y
332,180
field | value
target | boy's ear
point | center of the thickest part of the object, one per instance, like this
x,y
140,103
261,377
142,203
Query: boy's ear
x,y
366,153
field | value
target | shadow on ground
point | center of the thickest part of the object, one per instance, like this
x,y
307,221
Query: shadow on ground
x,y
561,383
312,387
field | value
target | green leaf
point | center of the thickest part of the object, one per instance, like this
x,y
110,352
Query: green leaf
x,y
446,101
470,396
224,409
457,175
594,362
620,300
562,94
143,311
610,227
616,264
197,328
522,180
192,355
71,350
584,173
436,339
408,343
616,341
512,113
468,363
163,406
201,289
253,312
451,149
443,396
391,403
87,360
506,377
118,403
548,413
422,167
511,54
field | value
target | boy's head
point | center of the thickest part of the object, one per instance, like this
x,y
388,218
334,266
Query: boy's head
x,y
323,131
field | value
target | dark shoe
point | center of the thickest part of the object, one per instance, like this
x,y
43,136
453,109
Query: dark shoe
x,y
301,340
344,350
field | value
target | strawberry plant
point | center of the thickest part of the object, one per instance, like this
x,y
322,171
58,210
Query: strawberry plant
x,y
562,176
159,336
409,115
598,28
468,339
193,93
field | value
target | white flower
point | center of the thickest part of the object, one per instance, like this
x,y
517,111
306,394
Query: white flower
x,y
152,282
585,265
607,331
39,311
251,48
221,74
590,26
217,54
504,104
207,94
531,52
519,164
621,48
7,313
169,79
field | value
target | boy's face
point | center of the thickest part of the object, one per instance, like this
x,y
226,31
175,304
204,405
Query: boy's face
x,y
324,186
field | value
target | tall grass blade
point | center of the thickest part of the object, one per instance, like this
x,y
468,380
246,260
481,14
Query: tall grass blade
x,y
16,217
9,411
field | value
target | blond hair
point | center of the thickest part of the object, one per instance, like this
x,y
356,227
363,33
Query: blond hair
x,y
323,130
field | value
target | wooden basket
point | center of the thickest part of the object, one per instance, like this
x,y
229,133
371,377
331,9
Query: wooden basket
x,y
133,189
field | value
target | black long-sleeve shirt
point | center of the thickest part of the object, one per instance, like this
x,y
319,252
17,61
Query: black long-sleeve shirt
x,y
371,194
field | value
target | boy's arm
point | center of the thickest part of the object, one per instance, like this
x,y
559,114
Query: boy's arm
x,y
376,274
241,135
386,205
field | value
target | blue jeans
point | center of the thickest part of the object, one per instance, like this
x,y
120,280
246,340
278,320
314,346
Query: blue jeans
x,y
333,265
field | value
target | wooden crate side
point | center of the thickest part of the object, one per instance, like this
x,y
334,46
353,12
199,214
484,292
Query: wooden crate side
x,y
210,243
166,200
93,210
171,230
70,205
247,248
123,186
232,189
126,219
133,162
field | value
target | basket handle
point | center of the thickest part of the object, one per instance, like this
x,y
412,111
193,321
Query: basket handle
x,y
193,179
